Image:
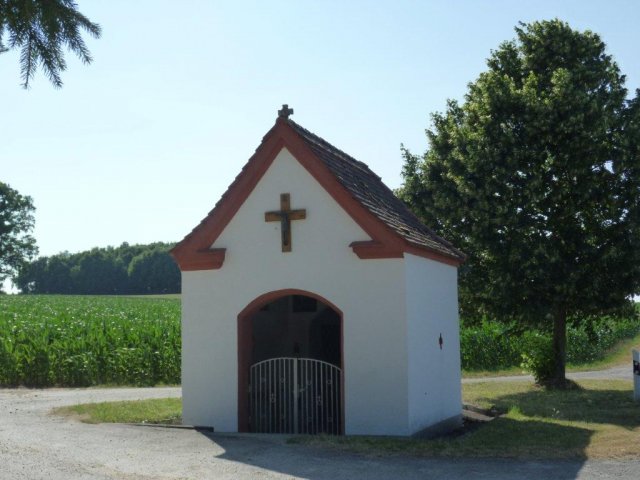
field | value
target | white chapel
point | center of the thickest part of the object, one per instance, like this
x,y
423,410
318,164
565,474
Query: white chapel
x,y
314,301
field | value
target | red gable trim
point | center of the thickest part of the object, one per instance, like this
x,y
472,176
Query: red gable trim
x,y
369,249
210,259
191,252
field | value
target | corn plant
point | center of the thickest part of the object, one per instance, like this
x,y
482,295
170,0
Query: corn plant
x,y
83,340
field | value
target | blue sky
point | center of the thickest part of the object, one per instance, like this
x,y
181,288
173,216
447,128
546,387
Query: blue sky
x,y
140,145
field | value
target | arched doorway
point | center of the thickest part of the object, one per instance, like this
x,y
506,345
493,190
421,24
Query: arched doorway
x,y
290,365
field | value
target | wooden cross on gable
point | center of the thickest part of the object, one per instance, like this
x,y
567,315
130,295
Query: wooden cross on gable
x,y
285,215
285,111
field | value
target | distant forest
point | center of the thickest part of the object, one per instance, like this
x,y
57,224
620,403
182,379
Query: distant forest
x,y
127,269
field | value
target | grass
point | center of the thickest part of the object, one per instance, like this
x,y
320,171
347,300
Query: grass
x,y
620,354
162,410
600,420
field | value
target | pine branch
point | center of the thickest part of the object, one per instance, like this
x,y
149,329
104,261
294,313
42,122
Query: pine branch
x,y
40,29
28,62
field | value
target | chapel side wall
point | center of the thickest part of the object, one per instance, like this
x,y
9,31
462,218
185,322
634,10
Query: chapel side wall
x,y
370,294
434,373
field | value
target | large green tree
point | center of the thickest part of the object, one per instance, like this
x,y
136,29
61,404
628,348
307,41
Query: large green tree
x,y
535,176
17,246
154,271
41,29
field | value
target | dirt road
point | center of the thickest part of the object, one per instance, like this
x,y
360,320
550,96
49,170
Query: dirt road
x,y
616,373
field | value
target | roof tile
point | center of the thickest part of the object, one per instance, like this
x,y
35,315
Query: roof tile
x,y
366,187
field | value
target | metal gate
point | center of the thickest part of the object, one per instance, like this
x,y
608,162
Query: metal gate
x,y
295,395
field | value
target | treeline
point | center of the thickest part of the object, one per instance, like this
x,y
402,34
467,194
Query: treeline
x,y
127,269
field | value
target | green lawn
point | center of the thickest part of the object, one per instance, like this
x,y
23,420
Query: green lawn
x,y
600,420
162,410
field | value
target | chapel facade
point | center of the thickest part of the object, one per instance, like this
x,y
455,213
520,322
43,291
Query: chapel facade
x,y
314,301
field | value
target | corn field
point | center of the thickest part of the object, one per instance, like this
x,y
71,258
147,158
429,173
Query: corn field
x,y
82,341
493,345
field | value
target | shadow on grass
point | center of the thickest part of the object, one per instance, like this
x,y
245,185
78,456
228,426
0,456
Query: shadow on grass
x,y
518,437
505,437
614,407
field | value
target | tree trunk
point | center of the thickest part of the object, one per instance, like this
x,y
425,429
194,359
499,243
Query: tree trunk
x,y
559,345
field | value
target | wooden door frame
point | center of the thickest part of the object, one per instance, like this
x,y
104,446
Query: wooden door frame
x,y
245,346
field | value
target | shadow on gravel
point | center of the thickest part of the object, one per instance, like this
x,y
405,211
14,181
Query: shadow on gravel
x,y
317,462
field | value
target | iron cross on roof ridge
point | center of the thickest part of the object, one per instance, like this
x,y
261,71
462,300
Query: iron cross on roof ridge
x,y
285,111
285,215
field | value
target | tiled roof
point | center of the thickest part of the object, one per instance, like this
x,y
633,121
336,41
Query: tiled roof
x,y
367,188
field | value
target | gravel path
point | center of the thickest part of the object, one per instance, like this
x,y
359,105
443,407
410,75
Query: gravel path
x,y
34,444
619,373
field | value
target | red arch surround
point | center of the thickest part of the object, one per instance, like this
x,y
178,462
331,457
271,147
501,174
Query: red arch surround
x,y
245,334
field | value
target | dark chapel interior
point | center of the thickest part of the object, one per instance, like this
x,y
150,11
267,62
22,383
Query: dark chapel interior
x,y
296,326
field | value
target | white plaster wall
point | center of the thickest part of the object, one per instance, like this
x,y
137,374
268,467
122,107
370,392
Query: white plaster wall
x,y
434,373
370,294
